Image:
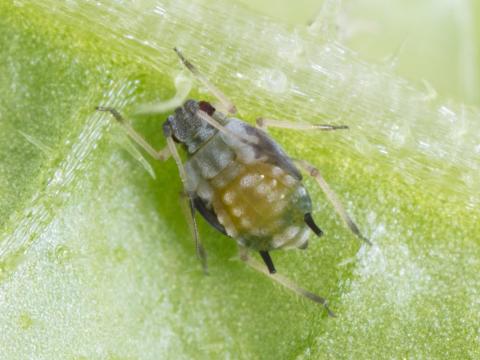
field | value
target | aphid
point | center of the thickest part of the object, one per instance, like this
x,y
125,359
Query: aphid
x,y
241,181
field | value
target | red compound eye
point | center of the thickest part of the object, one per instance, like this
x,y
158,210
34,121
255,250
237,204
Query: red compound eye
x,y
206,107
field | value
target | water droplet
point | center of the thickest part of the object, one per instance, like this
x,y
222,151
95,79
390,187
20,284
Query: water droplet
x,y
273,80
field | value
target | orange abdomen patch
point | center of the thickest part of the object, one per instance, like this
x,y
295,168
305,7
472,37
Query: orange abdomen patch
x,y
260,205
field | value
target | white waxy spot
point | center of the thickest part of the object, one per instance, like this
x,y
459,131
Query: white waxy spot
x,y
291,232
221,219
228,197
281,240
241,241
301,191
221,216
278,240
225,221
302,238
249,180
230,230
237,212
278,207
247,154
245,222
262,189
259,232
205,191
204,167
223,158
276,171
272,196
289,180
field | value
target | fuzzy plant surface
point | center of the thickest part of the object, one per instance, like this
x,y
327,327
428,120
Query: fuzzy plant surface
x,y
96,259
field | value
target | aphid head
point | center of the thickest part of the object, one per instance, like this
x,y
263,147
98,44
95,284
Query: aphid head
x,y
186,127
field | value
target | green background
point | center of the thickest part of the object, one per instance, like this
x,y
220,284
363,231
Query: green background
x,y
96,261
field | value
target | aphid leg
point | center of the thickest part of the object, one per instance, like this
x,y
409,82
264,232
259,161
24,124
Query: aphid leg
x,y
264,123
282,280
268,261
200,250
163,154
192,224
222,98
312,171
214,123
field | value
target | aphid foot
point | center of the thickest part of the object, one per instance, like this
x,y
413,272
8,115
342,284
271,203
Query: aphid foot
x,y
112,111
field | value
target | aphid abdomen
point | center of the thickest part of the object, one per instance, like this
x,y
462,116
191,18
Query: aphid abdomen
x,y
262,206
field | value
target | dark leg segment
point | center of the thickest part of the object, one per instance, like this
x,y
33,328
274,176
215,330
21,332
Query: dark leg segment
x,y
311,224
268,261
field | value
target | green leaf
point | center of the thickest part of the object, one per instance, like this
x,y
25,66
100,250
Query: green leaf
x,y
96,260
